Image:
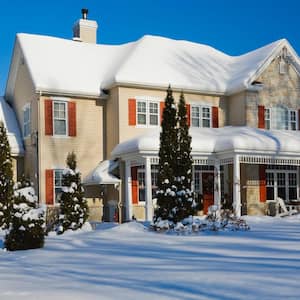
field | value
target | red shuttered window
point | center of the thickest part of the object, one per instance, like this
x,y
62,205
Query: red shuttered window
x,y
48,117
72,118
134,185
261,116
215,117
131,112
49,187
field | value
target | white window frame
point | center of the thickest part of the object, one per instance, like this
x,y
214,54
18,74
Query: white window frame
x,y
147,103
287,185
269,119
27,124
272,121
58,101
54,183
201,117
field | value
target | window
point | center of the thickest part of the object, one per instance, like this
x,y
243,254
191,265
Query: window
x,y
280,117
60,118
58,174
26,120
201,116
147,113
142,183
268,118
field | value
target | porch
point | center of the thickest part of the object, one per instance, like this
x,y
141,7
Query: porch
x,y
237,166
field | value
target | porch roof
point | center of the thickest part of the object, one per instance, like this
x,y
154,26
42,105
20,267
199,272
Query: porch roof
x,y
221,140
8,117
102,174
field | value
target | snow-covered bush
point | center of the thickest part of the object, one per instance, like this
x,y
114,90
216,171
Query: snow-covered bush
x,y
26,230
73,206
6,179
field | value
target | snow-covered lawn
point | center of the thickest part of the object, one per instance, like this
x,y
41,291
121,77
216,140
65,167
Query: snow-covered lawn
x,y
127,262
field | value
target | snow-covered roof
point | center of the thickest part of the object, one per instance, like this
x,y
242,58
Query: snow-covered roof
x,y
102,174
221,140
8,117
66,66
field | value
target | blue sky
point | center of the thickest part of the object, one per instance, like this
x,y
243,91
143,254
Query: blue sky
x,y
232,26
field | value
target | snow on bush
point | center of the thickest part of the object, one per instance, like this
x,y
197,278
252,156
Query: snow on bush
x,y
26,230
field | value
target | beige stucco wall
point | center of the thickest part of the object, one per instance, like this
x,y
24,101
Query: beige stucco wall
x,y
24,94
87,145
126,132
237,109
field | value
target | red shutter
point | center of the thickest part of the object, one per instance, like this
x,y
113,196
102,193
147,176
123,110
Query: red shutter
x,y
262,183
162,107
261,116
49,187
48,117
72,118
131,111
134,185
188,114
215,117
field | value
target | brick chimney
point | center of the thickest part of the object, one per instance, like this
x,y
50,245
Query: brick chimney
x,y
85,30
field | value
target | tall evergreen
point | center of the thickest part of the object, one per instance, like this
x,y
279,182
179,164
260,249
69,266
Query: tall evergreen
x,y
73,206
27,225
184,205
6,179
166,195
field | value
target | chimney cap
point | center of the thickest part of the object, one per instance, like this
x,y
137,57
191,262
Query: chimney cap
x,y
84,12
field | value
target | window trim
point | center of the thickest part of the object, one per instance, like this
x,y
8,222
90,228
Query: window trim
x,y
201,119
25,107
55,202
60,101
147,102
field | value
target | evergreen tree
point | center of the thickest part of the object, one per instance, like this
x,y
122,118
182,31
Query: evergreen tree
x,y
26,230
185,205
166,195
6,179
73,206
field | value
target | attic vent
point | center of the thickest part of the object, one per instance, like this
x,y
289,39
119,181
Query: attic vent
x,y
282,66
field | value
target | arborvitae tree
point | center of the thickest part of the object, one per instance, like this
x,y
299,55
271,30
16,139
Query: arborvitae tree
x,y
73,206
27,226
6,179
185,205
166,195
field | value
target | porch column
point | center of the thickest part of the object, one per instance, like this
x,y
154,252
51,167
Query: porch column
x,y
217,184
148,183
236,186
128,199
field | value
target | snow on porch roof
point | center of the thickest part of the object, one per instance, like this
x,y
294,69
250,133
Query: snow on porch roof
x,y
8,117
102,174
221,140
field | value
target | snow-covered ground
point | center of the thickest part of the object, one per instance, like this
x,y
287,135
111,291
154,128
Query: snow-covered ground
x,y
127,262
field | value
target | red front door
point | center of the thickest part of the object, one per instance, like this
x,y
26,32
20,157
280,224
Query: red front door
x,y
208,190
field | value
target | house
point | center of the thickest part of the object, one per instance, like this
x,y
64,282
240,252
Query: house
x,y
105,103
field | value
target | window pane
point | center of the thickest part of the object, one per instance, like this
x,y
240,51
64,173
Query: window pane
x,y
270,193
60,127
195,122
292,193
142,107
195,112
206,123
280,117
142,119
205,112
281,192
153,108
141,181
153,119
